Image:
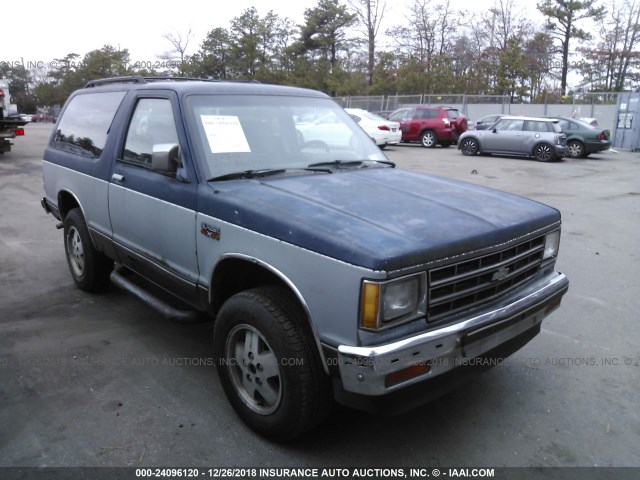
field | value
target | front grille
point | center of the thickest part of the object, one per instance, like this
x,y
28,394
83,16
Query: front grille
x,y
467,284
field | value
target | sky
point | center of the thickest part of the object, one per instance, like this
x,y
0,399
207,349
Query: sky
x,y
54,29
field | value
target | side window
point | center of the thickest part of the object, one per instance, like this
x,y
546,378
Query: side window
x,y
564,125
399,115
515,125
533,126
510,125
85,122
427,113
502,124
152,127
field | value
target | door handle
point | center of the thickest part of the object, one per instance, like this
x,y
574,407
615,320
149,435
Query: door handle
x,y
116,177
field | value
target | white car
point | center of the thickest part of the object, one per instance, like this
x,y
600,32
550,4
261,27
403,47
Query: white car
x,y
383,131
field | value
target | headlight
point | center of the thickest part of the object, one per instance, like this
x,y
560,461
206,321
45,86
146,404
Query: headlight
x,y
551,245
389,303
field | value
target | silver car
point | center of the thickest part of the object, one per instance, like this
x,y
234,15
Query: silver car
x,y
541,138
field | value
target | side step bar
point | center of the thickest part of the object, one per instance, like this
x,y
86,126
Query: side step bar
x,y
163,308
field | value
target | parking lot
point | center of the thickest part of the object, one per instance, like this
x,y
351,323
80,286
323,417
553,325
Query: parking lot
x,y
102,380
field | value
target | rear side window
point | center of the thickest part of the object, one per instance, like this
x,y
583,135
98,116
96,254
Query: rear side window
x,y
537,126
452,114
85,123
427,113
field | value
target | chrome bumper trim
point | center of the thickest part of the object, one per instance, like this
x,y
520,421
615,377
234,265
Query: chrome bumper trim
x,y
363,370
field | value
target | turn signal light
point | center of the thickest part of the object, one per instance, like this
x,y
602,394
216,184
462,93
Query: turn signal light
x,y
405,374
370,304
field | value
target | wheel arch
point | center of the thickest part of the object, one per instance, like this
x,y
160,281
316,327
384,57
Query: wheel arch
x,y
236,272
67,201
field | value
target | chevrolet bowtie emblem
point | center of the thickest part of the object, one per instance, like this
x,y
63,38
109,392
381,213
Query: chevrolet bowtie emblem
x,y
500,274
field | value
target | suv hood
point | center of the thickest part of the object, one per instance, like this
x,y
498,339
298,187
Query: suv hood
x,y
378,218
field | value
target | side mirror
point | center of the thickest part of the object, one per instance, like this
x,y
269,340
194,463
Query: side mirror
x,y
165,158
495,130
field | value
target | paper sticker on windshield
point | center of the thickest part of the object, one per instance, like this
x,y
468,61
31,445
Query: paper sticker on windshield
x,y
224,133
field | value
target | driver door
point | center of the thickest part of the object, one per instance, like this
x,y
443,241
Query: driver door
x,y
152,212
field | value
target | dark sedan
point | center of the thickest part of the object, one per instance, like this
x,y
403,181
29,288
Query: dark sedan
x,y
485,122
583,139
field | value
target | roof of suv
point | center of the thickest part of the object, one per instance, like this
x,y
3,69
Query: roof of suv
x,y
432,107
184,85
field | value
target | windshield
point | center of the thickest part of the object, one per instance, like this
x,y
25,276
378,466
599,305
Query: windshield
x,y
237,133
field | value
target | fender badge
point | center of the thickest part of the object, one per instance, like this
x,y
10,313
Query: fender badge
x,y
500,274
210,231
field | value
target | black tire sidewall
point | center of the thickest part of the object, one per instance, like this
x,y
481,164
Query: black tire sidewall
x,y
292,415
96,267
535,153
474,142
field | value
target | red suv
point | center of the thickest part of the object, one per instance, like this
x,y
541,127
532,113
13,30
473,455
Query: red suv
x,y
430,125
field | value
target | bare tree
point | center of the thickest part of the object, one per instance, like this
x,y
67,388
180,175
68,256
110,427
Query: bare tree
x,y
179,44
370,13
612,60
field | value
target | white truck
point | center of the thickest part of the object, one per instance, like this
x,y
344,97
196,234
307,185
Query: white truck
x,y
10,124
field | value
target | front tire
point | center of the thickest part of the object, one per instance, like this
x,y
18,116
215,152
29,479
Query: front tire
x,y
268,364
544,153
90,269
469,147
428,139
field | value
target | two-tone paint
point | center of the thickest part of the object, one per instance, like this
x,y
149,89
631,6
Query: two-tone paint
x,y
319,234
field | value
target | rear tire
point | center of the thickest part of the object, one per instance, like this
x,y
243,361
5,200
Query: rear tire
x,y
428,139
544,153
575,149
90,269
269,365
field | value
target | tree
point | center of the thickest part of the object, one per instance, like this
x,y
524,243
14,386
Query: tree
x,y
615,58
178,53
562,19
19,86
426,42
72,73
212,60
245,53
324,29
370,14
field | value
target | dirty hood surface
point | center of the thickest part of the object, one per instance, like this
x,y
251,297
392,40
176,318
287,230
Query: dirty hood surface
x,y
378,218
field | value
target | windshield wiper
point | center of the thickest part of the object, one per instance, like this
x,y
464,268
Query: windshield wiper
x,y
265,172
350,163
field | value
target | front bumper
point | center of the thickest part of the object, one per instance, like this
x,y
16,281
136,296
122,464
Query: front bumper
x,y
366,370
561,150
